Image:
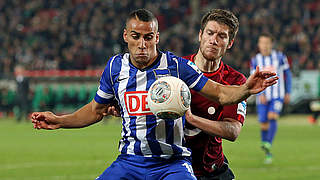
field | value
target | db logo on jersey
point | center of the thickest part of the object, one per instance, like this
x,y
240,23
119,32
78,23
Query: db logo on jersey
x,y
136,103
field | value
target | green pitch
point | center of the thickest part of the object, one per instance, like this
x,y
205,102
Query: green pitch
x,y
83,154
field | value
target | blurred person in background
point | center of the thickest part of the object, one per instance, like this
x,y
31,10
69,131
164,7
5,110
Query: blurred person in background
x,y
22,103
270,102
315,113
209,122
315,104
151,148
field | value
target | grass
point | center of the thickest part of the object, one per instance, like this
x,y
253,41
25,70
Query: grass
x,y
74,154
81,154
295,149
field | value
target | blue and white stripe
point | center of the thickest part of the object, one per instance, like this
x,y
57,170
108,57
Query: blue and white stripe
x,y
277,62
144,134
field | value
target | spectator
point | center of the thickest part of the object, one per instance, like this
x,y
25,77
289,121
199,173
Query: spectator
x,y
42,33
22,93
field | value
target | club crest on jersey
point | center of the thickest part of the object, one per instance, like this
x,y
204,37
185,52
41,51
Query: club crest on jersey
x,y
194,66
136,103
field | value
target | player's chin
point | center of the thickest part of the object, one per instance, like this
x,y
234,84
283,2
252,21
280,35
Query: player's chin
x,y
209,55
142,59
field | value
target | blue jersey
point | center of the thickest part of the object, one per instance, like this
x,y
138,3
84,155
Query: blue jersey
x,y
143,133
276,62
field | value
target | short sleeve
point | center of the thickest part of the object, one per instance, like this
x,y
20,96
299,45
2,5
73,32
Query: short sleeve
x,y
191,74
105,93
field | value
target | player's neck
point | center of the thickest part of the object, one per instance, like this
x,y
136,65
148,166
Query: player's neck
x,y
144,65
206,65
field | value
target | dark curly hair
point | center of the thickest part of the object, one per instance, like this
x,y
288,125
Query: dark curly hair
x,y
222,16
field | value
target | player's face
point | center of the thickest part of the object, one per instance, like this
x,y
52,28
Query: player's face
x,y
214,40
142,38
265,45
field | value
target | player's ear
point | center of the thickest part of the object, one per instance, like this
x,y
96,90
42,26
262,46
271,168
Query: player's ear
x,y
125,35
230,44
157,37
200,35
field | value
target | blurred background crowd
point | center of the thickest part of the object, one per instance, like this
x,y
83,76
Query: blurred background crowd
x,y
84,34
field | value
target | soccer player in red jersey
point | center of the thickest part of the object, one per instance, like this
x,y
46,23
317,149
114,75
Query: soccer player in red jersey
x,y
210,122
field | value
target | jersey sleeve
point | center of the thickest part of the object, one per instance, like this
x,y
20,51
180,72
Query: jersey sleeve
x,y
191,74
287,73
284,63
105,93
236,111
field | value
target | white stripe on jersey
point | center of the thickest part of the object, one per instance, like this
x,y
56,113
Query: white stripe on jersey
x,y
104,95
122,85
161,136
179,136
141,132
275,63
267,63
163,62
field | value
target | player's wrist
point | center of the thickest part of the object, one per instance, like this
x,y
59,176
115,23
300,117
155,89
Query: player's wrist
x,y
60,121
246,90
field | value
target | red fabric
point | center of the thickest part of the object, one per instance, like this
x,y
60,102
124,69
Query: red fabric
x,y
207,150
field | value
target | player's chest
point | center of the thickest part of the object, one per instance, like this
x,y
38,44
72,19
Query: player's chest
x,y
131,89
203,107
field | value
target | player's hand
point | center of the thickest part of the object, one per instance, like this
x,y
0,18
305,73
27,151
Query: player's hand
x,y
45,120
189,115
112,110
260,80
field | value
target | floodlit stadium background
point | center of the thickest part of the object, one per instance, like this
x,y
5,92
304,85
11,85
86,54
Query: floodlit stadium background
x,y
64,46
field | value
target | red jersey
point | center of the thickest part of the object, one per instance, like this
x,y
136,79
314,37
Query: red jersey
x,y
207,151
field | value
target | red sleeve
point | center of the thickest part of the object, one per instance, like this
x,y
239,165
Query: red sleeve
x,y
237,112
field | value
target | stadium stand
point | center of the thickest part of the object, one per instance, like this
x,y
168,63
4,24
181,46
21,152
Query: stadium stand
x,y
73,38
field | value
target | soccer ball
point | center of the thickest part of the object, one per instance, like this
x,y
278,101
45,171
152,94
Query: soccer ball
x,y
169,98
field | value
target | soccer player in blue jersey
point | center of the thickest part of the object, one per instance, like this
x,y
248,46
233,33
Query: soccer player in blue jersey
x,y
271,100
150,148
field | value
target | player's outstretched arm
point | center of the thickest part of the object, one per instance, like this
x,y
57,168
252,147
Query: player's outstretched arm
x,y
225,95
89,114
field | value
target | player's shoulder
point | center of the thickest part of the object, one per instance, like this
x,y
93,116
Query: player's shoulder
x,y
117,60
172,57
119,57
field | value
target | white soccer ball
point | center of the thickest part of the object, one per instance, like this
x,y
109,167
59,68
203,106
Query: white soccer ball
x,y
169,98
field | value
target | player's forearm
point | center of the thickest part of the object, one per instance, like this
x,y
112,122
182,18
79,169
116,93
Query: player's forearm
x,y
225,129
233,94
225,94
83,117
